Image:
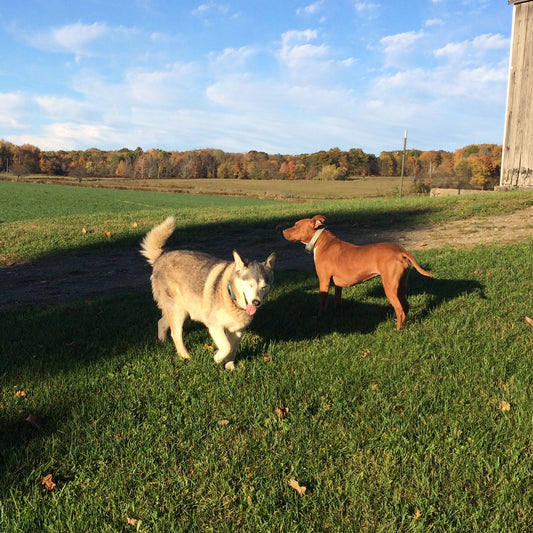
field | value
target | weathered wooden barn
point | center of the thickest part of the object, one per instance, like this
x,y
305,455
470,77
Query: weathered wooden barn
x,y
517,158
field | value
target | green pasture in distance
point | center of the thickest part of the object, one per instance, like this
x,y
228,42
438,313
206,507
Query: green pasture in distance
x,y
27,201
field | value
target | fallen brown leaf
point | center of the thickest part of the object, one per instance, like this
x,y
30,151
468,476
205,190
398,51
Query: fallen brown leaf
x,y
47,482
282,411
504,406
300,489
107,234
20,394
207,347
83,230
131,521
421,244
417,514
223,422
529,321
134,224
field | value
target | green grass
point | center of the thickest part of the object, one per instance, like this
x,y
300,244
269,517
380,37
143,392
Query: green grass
x,y
388,431
41,220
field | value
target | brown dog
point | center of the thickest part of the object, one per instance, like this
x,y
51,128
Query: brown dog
x,y
345,264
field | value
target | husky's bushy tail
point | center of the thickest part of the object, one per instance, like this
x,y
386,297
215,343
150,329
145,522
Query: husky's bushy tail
x,y
155,239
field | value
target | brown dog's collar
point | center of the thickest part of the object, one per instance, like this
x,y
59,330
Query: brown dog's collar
x,y
311,244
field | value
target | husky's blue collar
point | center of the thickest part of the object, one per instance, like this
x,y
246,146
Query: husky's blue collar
x,y
311,244
231,292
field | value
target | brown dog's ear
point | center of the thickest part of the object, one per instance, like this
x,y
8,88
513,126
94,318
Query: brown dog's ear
x,y
318,220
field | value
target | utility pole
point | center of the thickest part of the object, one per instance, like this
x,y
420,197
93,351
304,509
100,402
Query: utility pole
x,y
403,162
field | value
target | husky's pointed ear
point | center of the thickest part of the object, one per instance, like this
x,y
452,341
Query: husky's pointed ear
x,y
239,263
270,260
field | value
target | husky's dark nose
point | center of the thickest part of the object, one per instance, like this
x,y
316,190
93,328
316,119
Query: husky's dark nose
x,y
256,302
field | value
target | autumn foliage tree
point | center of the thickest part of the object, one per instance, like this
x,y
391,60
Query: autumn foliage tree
x,y
471,166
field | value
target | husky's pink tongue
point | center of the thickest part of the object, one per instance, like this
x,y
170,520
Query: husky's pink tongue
x,y
251,309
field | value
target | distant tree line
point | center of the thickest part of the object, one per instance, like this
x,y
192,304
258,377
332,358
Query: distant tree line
x,y
474,166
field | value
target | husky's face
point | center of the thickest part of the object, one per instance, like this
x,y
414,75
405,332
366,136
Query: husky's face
x,y
252,282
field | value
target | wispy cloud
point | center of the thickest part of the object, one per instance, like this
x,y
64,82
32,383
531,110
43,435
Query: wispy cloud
x,y
366,7
311,9
74,39
394,46
480,44
433,22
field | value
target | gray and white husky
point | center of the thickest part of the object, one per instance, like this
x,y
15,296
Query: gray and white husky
x,y
223,295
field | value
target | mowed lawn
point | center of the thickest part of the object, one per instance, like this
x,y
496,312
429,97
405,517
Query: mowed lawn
x,y
334,423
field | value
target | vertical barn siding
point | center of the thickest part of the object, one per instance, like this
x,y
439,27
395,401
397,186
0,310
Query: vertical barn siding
x,y
517,158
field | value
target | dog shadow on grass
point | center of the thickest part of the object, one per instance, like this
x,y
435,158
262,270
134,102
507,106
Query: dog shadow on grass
x,y
293,314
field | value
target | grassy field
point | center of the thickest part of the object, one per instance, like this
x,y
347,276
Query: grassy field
x,y
285,189
428,429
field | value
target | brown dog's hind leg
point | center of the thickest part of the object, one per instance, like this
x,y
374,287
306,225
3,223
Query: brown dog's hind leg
x,y
392,292
324,292
402,292
338,296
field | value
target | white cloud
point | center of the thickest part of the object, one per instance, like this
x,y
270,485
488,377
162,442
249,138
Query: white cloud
x,y
480,44
13,110
433,22
480,84
400,41
311,9
215,10
74,38
366,7
231,58
296,50
394,46
81,40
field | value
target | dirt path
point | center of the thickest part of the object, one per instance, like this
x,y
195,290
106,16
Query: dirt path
x,y
85,275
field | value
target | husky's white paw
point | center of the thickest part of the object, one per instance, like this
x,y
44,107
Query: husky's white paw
x,y
230,365
219,357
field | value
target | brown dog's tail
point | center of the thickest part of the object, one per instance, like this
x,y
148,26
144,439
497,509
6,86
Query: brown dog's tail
x,y
152,244
416,265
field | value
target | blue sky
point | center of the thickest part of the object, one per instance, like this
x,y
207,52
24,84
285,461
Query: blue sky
x,y
280,76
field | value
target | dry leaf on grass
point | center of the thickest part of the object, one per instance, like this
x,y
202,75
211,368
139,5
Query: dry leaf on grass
x,y
417,514
48,483
300,489
282,411
20,394
131,521
134,224
208,347
107,234
223,422
529,321
504,406
83,230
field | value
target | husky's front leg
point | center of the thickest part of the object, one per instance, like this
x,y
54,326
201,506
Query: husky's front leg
x,y
227,346
235,340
